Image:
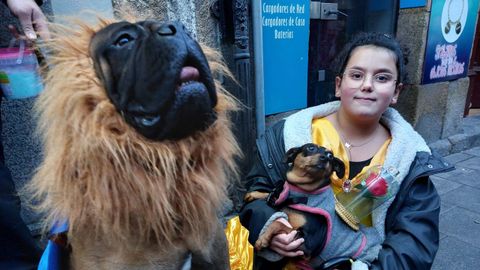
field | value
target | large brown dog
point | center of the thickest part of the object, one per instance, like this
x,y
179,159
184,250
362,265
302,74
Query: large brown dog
x,y
138,147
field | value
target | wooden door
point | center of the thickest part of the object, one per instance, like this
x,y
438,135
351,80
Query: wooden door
x,y
473,96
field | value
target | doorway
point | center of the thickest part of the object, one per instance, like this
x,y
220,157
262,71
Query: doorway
x,y
472,104
328,36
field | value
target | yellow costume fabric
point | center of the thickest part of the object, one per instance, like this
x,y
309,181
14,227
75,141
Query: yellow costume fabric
x,y
239,249
325,134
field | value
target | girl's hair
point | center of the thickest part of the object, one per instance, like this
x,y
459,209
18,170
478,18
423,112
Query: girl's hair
x,y
374,39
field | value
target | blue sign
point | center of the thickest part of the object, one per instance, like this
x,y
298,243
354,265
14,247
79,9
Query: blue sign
x,y
285,33
412,3
450,37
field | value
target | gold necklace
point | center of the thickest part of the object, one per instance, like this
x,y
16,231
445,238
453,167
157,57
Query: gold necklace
x,y
347,183
349,145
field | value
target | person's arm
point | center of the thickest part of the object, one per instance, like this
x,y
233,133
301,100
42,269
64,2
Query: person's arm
x,y
412,238
31,18
255,214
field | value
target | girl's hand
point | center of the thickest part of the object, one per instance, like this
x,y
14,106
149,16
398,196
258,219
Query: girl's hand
x,y
286,244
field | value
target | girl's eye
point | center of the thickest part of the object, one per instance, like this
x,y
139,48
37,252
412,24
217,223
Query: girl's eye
x,y
123,39
383,78
356,75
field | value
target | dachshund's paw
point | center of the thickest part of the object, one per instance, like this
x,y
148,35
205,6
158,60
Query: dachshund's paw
x,y
255,195
262,242
273,229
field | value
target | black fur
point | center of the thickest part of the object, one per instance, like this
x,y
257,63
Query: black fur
x,y
140,65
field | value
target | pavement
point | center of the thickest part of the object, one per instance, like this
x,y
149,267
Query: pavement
x,y
460,212
460,200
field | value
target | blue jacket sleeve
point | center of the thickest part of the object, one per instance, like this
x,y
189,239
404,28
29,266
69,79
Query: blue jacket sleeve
x,y
18,249
412,233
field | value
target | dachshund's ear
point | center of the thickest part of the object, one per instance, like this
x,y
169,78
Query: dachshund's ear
x,y
291,154
338,167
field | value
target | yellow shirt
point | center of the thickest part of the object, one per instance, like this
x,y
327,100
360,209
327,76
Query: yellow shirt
x,y
325,134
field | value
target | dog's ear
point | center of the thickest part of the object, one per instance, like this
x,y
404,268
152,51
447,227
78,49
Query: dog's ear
x,y
291,154
338,167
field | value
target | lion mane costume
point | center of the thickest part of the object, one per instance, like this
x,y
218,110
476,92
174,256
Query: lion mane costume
x,y
138,147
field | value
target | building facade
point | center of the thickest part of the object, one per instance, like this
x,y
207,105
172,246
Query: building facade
x,y
280,52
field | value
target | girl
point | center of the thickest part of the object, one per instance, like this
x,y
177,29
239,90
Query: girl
x,y
364,132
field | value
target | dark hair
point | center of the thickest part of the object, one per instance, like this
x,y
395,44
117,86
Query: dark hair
x,y
374,39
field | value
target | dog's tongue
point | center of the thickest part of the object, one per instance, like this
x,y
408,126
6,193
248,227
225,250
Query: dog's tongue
x,y
189,74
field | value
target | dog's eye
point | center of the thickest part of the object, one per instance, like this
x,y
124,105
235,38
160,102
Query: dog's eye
x,y
329,155
123,39
311,149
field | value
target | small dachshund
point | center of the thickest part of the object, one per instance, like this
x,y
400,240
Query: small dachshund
x,y
310,170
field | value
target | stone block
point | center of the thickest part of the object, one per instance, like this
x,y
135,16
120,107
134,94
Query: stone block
x,y
412,28
444,208
462,175
457,157
467,198
474,151
407,102
455,102
474,140
430,112
443,147
471,124
456,254
443,186
142,9
459,142
206,24
472,163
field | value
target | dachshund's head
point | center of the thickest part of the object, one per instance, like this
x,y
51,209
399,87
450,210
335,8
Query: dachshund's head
x,y
312,166
157,77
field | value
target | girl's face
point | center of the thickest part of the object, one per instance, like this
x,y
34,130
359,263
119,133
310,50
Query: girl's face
x,y
368,85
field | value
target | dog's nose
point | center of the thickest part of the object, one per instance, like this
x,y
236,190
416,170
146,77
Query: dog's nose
x,y
166,30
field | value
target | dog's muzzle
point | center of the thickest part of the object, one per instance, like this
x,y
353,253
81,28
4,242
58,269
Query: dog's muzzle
x,y
157,77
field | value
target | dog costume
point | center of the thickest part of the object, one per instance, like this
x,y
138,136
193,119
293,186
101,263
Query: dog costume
x,y
138,147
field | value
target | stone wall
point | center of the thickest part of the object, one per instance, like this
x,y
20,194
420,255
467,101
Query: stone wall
x,y
194,14
435,110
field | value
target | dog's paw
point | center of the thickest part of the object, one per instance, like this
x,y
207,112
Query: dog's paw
x,y
261,243
277,227
254,195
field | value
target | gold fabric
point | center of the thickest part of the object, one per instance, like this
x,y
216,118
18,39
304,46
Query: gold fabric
x,y
325,134
239,249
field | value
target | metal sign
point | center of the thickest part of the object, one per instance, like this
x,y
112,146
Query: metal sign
x,y
450,36
412,3
285,32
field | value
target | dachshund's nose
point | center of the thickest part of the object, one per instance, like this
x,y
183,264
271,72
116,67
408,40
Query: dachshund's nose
x,y
166,29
